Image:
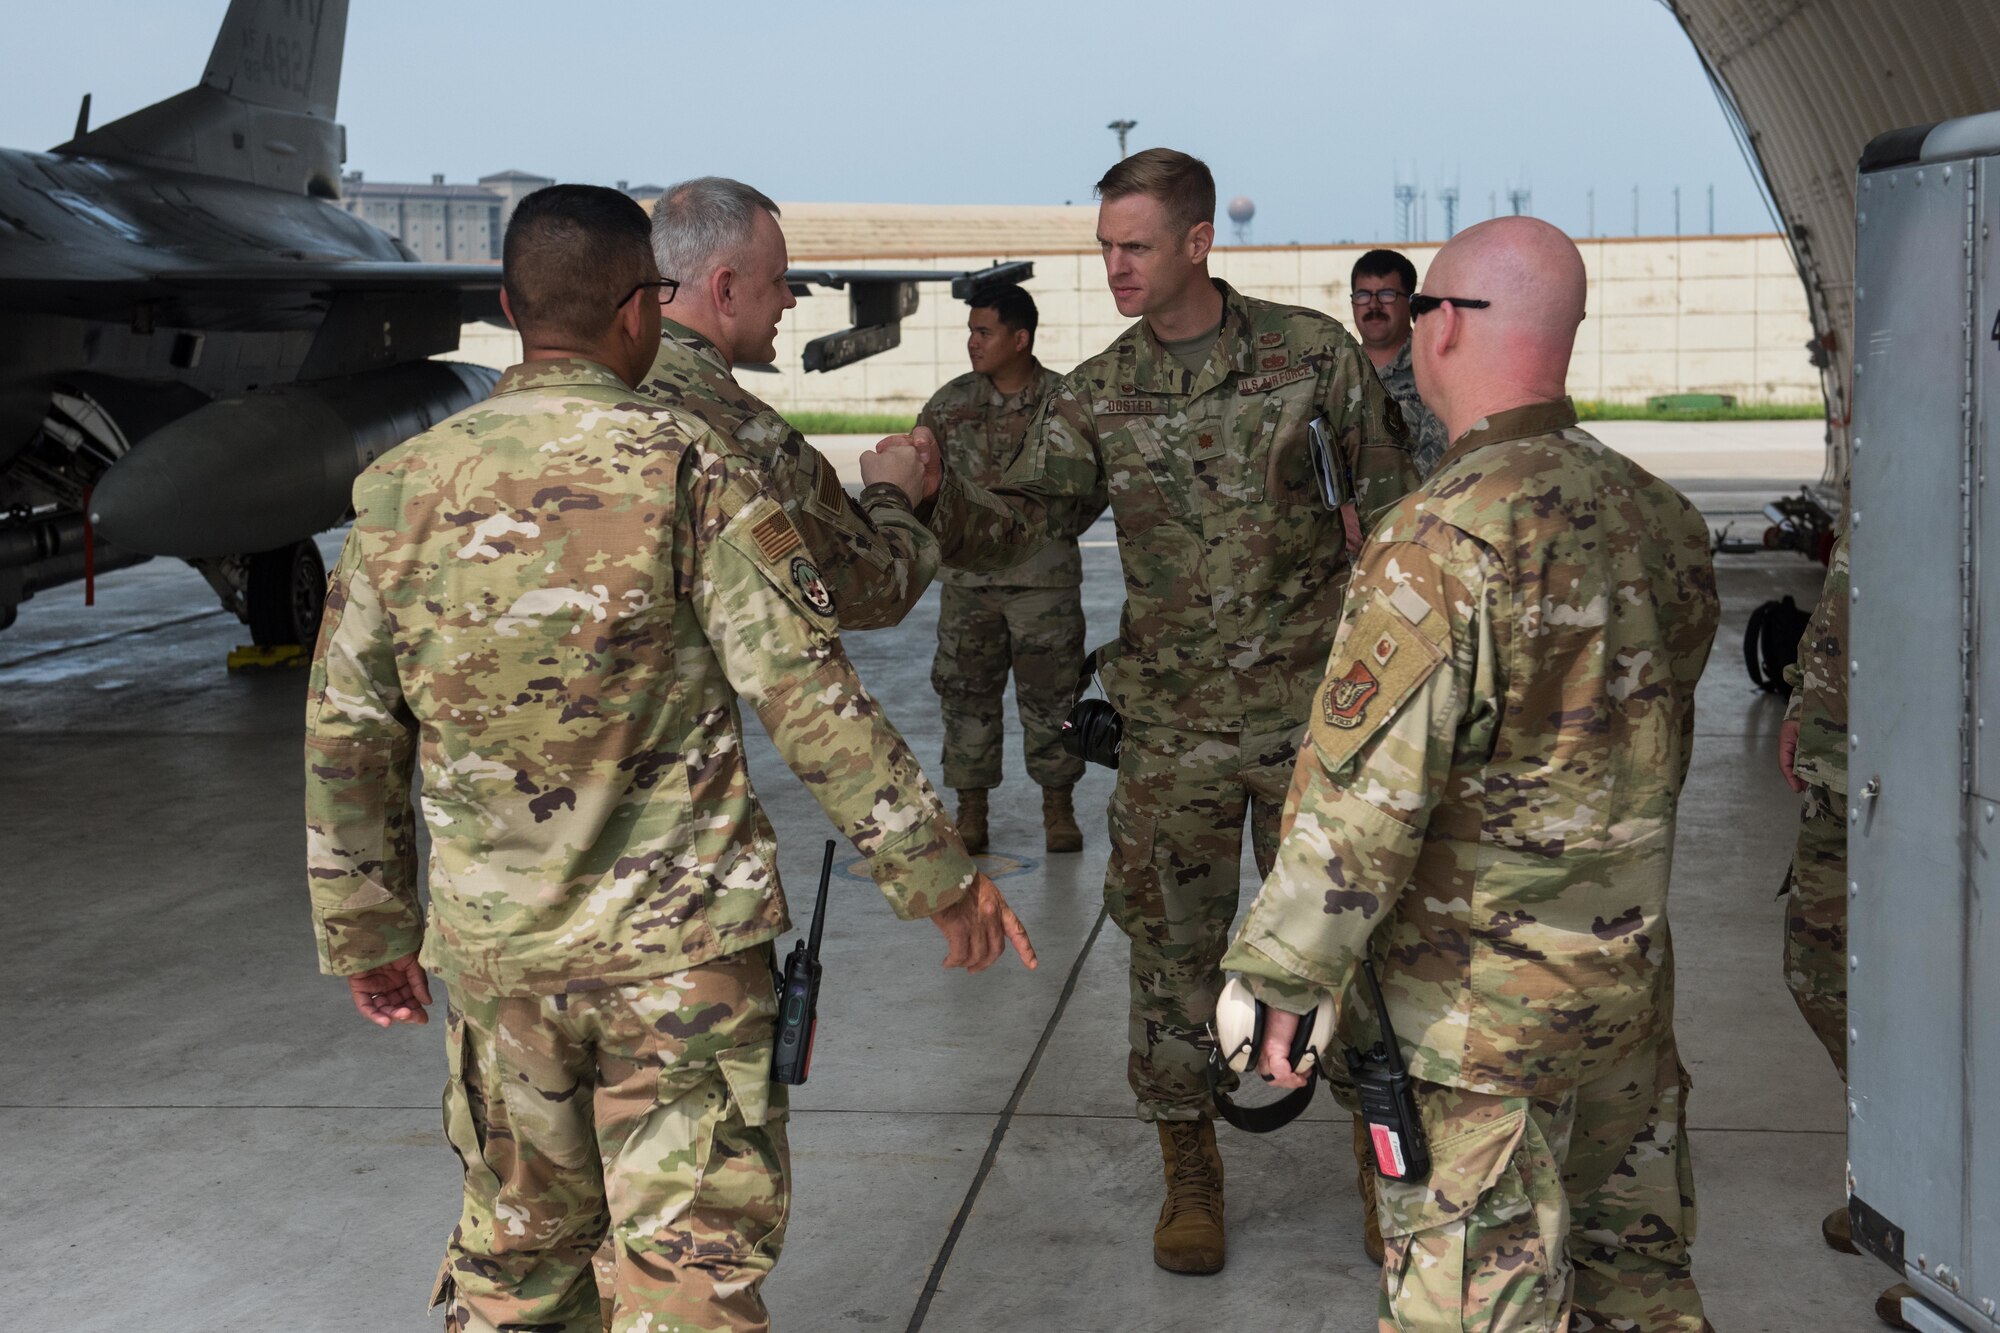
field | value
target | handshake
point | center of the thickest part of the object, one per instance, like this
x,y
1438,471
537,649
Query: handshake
x,y
912,463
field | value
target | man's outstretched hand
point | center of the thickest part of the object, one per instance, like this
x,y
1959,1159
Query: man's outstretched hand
x,y
395,992
979,927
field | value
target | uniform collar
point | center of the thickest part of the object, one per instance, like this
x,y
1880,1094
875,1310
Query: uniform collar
x,y
990,392
565,372
1516,423
1402,362
677,340
1156,370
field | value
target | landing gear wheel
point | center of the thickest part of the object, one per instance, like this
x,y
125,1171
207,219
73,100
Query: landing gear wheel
x,y
285,592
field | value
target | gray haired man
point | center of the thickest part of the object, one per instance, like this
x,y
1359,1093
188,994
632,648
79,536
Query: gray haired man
x,y
719,239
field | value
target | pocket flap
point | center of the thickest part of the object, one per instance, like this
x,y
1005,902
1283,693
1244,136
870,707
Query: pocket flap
x,y
747,1070
1464,1169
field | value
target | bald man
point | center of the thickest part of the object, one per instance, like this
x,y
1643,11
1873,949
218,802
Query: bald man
x,y
1484,810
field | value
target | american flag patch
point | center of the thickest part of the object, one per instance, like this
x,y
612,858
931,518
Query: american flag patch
x,y
775,536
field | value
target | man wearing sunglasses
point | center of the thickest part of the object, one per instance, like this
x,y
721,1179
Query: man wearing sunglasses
x,y
722,256
555,605
1484,810
1381,283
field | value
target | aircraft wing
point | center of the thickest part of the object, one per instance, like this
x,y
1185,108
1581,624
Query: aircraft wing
x,y
255,296
878,300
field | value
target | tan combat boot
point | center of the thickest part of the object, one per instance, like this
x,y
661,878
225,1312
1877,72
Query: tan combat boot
x,y
972,818
1364,1185
1188,1238
1059,830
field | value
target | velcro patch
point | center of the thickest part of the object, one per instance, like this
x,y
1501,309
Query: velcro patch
x,y
1126,407
1378,665
775,536
1410,602
1276,379
830,493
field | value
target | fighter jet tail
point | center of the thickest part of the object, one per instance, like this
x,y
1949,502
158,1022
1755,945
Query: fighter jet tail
x,y
263,111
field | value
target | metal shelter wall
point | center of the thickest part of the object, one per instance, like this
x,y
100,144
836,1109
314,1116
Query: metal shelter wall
x,y
1808,83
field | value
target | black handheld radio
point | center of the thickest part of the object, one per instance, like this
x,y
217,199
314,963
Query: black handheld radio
x,y
798,994
1388,1098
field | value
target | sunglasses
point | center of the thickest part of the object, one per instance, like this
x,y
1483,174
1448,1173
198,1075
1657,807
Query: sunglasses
x,y
667,286
1423,305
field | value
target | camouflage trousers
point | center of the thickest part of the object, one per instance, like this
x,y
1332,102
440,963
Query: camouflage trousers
x,y
1816,921
1038,632
1578,1206
1172,886
642,1113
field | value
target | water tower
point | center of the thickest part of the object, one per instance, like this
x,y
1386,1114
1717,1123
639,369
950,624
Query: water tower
x,y
1241,210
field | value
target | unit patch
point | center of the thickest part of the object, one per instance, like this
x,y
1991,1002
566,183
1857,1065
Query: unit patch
x,y
775,536
1345,701
811,586
1276,379
1378,665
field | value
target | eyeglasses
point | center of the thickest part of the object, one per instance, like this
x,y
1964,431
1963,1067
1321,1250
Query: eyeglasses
x,y
1422,305
667,286
1387,296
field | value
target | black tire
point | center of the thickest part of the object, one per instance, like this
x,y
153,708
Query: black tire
x,y
285,593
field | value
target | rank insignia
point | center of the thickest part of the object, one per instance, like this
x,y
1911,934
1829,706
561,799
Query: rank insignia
x,y
812,587
1345,701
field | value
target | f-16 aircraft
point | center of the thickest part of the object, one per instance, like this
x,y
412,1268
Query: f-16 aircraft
x,y
200,349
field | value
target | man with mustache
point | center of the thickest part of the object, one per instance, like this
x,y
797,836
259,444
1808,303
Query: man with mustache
x,y
1382,282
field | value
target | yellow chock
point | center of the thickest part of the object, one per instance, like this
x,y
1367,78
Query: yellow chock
x,y
279,657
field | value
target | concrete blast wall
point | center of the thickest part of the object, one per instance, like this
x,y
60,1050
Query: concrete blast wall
x,y
1708,314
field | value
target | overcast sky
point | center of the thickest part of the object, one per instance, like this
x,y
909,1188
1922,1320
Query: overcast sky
x,y
1314,110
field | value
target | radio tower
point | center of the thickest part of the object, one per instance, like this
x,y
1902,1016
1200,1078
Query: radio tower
x,y
1406,211
1448,200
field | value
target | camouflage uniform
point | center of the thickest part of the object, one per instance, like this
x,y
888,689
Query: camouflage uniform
x,y
552,603
1485,806
1426,431
1028,616
874,555
1234,572
1816,904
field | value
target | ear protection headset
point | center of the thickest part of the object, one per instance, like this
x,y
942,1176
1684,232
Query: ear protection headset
x,y
1238,1029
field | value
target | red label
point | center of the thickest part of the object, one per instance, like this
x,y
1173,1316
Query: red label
x,y
1388,1152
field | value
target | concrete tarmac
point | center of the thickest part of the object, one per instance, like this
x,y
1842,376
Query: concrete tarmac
x,y
197,1132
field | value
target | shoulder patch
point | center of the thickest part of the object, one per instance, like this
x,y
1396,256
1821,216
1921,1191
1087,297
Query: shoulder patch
x,y
811,586
775,536
1276,379
831,493
1375,669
